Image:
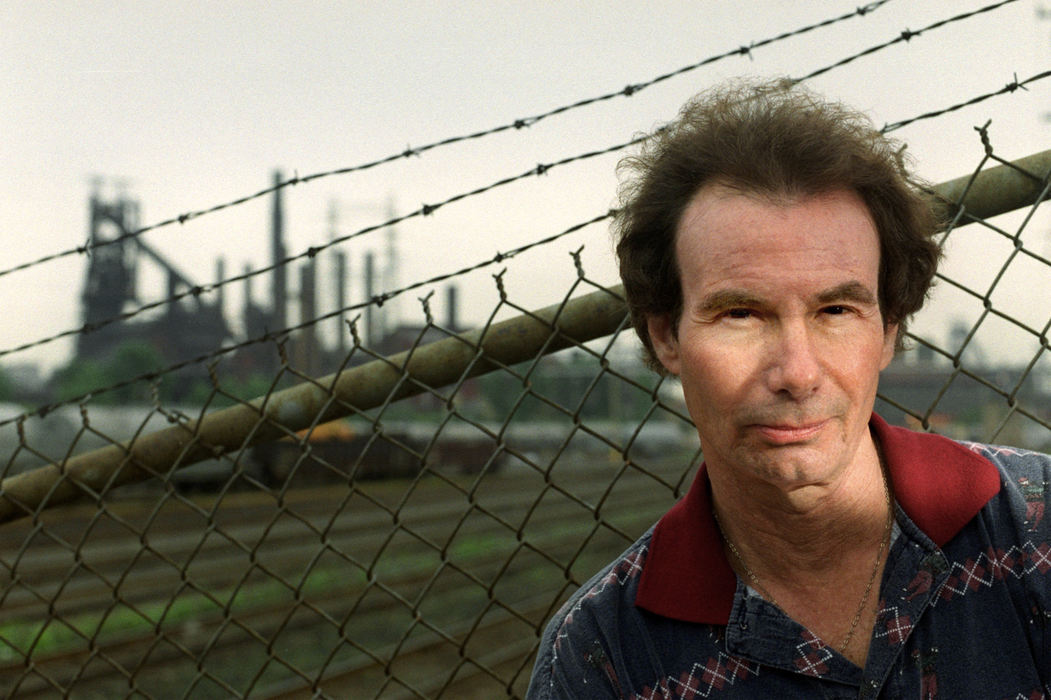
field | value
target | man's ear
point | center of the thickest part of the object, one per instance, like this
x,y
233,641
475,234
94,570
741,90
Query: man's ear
x,y
664,340
890,342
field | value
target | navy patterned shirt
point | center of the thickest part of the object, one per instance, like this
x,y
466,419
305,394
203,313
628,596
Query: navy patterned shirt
x,y
964,609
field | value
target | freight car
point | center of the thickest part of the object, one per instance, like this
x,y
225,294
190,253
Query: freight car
x,y
342,451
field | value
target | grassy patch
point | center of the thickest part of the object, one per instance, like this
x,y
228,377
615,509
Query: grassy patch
x,y
66,633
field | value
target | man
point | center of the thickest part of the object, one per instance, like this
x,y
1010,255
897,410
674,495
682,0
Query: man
x,y
772,251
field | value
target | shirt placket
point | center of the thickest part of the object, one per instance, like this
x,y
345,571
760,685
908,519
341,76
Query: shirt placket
x,y
915,570
761,632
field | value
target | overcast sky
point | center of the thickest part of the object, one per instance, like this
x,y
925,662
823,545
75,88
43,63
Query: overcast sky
x,y
188,105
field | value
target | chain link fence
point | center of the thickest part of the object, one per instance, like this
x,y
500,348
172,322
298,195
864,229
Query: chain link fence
x,y
405,526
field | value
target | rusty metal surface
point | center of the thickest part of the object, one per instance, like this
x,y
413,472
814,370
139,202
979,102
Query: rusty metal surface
x,y
999,189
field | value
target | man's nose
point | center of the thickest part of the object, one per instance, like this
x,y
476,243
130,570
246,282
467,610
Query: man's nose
x,y
794,367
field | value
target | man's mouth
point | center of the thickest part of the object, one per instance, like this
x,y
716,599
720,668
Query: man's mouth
x,y
789,433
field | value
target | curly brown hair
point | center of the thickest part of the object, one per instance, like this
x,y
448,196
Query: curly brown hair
x,y
776,139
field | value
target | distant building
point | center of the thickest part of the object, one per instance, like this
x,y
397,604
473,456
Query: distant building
x,y
25,376
972,402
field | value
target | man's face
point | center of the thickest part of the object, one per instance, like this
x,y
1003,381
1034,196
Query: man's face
x,y
781,340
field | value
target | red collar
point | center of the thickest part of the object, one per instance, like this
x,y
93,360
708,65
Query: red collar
x,y
939,484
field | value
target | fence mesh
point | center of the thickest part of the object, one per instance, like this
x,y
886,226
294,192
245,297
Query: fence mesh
x,y
404,525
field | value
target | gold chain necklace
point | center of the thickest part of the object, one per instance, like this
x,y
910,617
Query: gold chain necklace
x,y
884,543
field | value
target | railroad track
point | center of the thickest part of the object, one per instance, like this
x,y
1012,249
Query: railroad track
x,y
397,565
425,668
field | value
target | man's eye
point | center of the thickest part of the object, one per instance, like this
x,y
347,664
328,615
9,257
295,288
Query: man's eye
x,y
835,310
739,313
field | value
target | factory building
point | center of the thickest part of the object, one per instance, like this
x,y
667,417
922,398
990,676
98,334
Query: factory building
x,y
195,325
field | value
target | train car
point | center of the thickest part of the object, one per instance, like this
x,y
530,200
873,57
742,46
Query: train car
x,y
343,450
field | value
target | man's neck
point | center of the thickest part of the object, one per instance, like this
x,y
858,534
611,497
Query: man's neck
x,y
803,530
817,551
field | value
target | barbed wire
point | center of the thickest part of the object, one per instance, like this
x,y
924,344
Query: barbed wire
x,y
907,35
1008,88
424,210
499,257
409,152
311,252
428,209
278,335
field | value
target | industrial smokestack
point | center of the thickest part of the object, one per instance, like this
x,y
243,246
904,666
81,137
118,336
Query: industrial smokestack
x,y
307,313
247,312
451,308
220,273
277,246
370,308
340,273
